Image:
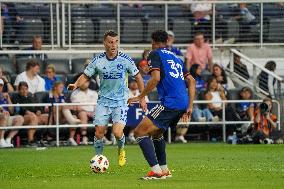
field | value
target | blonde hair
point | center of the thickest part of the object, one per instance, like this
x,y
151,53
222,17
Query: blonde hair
x,y
51,67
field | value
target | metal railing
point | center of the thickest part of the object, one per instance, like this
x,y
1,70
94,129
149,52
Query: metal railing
x,y
57,125
81,23
253,80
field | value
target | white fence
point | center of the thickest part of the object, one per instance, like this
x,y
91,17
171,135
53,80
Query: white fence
x,y
57,125
81,23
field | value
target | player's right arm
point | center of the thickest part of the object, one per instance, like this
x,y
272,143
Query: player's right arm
x,y
88,73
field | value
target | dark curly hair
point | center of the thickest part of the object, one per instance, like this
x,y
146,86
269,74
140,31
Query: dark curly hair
x,y
160,36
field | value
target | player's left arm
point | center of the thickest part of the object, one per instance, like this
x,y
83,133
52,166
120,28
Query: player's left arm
x,y
190,81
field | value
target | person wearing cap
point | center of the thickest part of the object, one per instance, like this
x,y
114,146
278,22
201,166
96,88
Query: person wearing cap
x,y
245,110
144,71
6,119
170,47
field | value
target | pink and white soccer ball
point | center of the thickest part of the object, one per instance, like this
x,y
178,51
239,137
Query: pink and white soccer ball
x,y
99,164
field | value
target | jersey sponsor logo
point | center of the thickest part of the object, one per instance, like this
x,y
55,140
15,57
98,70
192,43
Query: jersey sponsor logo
x,y
112,75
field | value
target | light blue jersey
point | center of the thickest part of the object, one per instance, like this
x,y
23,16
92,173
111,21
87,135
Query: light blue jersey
x,y
113,75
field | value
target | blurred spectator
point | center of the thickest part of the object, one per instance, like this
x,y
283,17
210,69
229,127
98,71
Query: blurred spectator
x,y
11,23
31,77
267,81
264,122
239,67
221,76
215,94
171,47
32,115
50,77
84,113
145,54
181,129
199,53
144,71
195,72
7,87
65,116
6,119
245,110
36,45
244,14
202,19
133,92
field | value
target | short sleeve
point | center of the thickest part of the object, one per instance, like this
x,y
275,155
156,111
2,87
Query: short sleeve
x,y
132,68
154,61
17,81
90,70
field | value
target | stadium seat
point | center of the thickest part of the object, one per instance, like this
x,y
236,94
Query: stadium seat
x,y
70,79
29,28
150,11
131,30
233,94
26,10
276,30
102,25
153,25
22,61
79,11
182,30
82,30
78,65
61,65
101,11
42,96
7,65
129,12
175,11
68,96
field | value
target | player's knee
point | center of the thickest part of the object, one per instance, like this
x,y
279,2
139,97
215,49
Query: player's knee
x,y
100,132
117,133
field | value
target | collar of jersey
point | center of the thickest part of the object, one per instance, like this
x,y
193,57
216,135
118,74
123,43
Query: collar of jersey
x,y
112,58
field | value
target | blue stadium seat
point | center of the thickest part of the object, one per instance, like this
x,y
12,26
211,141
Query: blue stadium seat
x,y
101,11
61,65
175,11
26,10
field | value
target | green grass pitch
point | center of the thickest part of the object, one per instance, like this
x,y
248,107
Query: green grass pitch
x,y
193,166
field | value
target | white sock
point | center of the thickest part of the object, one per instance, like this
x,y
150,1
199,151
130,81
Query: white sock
x,y
8,140
2,140
164,167
156,169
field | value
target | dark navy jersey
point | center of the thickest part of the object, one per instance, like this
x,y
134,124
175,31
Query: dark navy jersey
x,y
172,87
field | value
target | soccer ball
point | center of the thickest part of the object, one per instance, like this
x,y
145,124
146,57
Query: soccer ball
x,y
99,164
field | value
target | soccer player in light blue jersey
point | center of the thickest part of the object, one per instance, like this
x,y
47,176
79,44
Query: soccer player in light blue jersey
x,y
113,68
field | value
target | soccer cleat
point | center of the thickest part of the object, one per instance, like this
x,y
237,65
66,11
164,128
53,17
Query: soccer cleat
x,y
151,175
121,157
167,174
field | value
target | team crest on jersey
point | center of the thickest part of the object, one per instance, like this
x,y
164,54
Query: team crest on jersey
x,y
119,66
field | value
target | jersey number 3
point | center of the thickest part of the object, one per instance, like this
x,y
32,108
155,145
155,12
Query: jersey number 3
x,y
176,70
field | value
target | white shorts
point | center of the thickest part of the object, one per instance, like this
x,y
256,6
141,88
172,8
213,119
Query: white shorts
x,y
104,114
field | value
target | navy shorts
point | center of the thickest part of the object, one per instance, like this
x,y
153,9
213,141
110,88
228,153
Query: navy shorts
x,y
163,118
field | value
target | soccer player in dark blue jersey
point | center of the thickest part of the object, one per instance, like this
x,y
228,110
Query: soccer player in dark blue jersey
x,y
169,75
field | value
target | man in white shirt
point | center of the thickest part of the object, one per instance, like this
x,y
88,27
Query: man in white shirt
x,y
35,82
86,112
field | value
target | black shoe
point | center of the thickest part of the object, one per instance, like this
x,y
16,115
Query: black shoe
x,y
32,144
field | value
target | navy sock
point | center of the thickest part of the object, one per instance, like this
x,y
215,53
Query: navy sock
x,y
160,149
146,145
